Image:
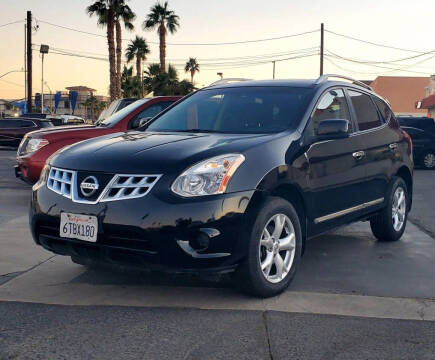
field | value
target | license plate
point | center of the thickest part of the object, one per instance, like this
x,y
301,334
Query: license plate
x,y
82,227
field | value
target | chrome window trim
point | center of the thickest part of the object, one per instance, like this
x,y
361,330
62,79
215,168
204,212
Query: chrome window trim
x,y
347,211
75,197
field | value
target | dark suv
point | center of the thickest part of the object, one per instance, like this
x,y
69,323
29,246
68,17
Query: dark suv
x,y
424,145
236,177
12,130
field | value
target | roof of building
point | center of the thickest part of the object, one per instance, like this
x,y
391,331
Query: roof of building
x,y
80,88
401,91
428,102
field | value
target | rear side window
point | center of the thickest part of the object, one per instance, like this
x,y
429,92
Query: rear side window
x,y
332,105
366,113
384,109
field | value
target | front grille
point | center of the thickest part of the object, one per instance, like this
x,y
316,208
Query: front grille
x,y
60,181
129,187
112,187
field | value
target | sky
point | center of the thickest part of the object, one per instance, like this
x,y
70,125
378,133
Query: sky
x,y
396,23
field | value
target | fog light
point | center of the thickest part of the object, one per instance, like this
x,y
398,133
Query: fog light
x,y
200,243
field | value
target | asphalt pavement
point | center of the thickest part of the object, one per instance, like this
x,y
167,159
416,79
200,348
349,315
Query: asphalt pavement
x,y
353,298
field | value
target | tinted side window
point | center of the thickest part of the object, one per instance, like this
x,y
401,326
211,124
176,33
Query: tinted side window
x,y
9,124
27,123
332,105
365,110
384,109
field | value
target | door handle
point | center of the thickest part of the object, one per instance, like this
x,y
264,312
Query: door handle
x,y
393,146
358,155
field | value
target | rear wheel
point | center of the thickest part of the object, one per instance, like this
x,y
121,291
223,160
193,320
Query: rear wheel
x,y
390,223
428,160
274,249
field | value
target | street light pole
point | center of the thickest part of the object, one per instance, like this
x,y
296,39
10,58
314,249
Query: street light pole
x,y
12,71
273,62
51,98
42,84
43,50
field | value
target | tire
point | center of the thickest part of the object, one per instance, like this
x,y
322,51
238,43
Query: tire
x,y
428,160
385,226
262,249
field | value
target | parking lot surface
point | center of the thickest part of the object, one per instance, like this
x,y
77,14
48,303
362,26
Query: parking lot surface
x,y
353,298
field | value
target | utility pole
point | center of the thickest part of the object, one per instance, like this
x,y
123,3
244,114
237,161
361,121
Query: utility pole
x,y
29,61
321,48
273,62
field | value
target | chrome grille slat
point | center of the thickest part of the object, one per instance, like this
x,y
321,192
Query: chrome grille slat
x,y
120,187
60,181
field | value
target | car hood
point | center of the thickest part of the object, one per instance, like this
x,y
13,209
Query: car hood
x,y
57,131
146,152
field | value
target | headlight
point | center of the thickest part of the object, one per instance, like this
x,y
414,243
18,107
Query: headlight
x,y
42,178
208,177
34,145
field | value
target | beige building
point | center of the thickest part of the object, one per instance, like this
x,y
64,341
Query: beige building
x,y
65,108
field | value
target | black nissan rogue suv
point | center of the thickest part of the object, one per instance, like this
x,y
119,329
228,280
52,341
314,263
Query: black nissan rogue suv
x,y
235,177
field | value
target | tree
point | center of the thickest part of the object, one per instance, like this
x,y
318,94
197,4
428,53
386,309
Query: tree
x,y
95,105
164,20
131,85
104,10
138,48
165,83
122,13
191,66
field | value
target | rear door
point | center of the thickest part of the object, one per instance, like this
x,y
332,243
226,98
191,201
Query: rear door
x,y
380,143
335,175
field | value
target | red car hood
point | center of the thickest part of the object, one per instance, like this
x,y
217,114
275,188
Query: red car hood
x,y
60,132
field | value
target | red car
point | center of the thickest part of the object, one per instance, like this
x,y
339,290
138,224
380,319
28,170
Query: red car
x,y
37,146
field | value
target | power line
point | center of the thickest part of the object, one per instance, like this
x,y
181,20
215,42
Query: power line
x,y
373,43
385,61
13,22
187,44
404,69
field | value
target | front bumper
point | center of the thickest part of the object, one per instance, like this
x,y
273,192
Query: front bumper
x,y
158,231
28,170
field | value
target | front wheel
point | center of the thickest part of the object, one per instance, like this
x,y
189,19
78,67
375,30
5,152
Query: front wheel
x,y
274,249
390,223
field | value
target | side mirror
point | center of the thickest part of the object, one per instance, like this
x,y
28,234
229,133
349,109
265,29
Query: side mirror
x,y
144,121
333,128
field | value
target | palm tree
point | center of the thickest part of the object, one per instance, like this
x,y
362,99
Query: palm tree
x,y
94,104
131,85
165,83
192,66
104,10
122,13
138,48
164,20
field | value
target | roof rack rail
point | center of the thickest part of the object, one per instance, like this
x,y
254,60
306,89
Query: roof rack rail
x,y
325,77
228,81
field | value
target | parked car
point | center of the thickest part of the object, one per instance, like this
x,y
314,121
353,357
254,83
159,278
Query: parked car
x,y
236,177
424,146
60,120
419,122
12,130
115,106
35,148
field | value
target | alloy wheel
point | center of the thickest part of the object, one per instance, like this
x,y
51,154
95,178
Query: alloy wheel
x,y
399,208
277,248
429,160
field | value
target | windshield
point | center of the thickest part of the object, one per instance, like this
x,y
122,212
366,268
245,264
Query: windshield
x,y
237,110
113,119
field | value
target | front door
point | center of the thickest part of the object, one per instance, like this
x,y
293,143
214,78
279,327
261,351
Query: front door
x,y
335,173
